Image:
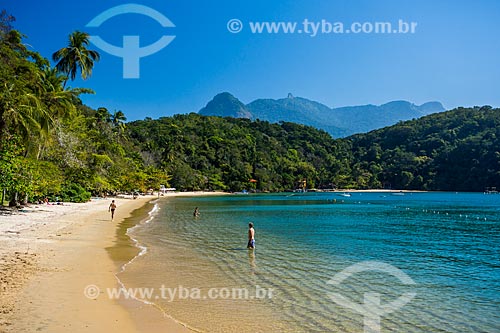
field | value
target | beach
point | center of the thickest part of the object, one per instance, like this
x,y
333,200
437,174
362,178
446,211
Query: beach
x,y
49,254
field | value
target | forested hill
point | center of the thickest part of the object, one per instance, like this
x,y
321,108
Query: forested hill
x,y
206,152
458,150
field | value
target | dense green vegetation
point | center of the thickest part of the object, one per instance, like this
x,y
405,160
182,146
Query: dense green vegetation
x,y
51,145
202,152
458,150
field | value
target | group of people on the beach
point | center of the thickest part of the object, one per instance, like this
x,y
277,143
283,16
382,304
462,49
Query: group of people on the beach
x,y
46,201
196,213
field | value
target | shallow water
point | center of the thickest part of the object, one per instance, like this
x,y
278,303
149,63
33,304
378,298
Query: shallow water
x,y
447,243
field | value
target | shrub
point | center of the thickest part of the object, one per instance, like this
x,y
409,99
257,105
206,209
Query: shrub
x,y
74,193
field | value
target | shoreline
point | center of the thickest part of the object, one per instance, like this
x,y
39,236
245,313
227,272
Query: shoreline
x,y
164,261
69,244
50,253
382,191
176,265
146,315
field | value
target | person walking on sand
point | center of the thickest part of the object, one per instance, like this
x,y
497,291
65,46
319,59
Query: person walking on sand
x,y
111,209
251,236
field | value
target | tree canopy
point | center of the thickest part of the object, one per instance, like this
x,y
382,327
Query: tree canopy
x,y
76,56
51,144
457,150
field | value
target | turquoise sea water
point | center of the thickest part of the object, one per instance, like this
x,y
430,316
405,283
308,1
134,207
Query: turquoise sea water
x,y
447,243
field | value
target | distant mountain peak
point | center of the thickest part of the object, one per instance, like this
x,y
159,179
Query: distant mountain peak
x,y
226,105
431,107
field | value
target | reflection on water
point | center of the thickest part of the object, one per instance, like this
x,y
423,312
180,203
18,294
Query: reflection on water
x,y
251,260
447,243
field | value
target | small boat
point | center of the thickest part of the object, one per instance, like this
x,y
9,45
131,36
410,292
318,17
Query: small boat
x,y
242,192
347,195
398,193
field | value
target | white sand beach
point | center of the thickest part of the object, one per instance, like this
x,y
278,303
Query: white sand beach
x,y
50,253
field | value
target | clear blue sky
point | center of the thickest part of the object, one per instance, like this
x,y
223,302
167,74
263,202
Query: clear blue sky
x,y
453,56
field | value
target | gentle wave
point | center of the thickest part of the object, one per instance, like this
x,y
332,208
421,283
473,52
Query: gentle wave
x,y
142,251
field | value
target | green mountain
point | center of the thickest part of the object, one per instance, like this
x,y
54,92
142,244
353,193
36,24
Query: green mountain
x,y
207,152
339,122
458,150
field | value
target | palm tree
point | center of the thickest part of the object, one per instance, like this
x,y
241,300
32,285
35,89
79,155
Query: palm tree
x,y
102,115
52,79
118,118
76,56
21,112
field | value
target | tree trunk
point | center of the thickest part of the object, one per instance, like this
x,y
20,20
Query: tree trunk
x,y
13,201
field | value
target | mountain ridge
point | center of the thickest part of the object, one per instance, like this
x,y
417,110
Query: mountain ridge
x,y
339,122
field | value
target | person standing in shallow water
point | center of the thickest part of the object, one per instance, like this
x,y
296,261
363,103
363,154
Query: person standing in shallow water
x,y
111,209
251,236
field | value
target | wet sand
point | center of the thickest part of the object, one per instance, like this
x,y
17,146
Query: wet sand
x,y
48,257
